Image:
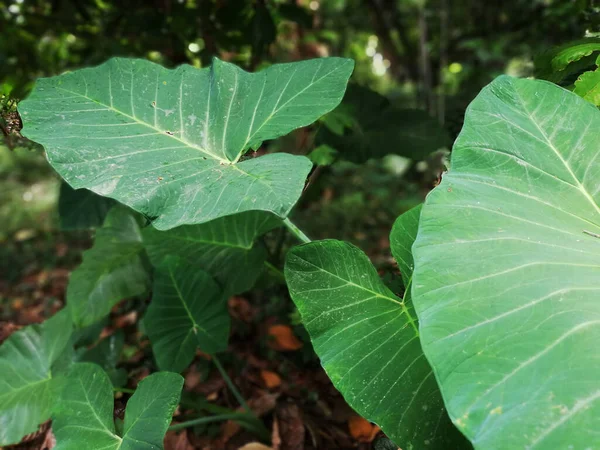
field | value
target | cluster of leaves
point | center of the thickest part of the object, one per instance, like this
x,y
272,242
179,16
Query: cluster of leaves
x,y
173,150
486,339
508,341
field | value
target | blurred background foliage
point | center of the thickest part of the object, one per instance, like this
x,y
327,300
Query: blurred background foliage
x,y
376,156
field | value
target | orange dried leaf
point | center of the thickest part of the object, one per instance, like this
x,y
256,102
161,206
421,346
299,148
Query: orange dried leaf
x,y
361,429
282,338
270,379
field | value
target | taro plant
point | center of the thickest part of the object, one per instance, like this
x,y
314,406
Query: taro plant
x,y
167,148
490,343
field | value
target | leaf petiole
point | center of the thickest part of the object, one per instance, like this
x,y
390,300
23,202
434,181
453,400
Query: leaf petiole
x,y
296,231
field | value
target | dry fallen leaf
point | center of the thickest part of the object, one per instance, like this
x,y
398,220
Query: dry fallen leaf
x,y
291,426
361,429
282,338
270,379
179,441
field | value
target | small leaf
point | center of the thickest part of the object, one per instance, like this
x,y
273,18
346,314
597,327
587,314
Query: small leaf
x,y
84,416
282,338
587,86
81,209
368,343
112,269
168,143
225,247
187,311
28,386
323,155
402,238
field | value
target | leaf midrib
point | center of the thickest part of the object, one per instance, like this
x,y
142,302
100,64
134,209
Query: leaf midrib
x,y
557,153
183,141
402,304
195,324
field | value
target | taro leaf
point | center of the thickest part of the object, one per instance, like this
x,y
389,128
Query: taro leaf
x,y
223,247
29,385
187,311
402,238
81,209
507,270
560,63
368,343
107,354
366,126
113,269
168,143
84,416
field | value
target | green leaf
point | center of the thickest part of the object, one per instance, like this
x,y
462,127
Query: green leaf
x,y
224,247
80,209
112,269
366,126
587,86
84,417
187,311
168,143
368,343
28,386
559,63
107,354
323,155
506,274
402,238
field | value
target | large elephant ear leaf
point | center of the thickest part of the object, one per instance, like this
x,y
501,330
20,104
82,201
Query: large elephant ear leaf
x,y
168,143
507,270
84,415
368,342
28,386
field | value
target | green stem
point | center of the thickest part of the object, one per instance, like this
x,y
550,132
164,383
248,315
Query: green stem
x,y
208,419
296,231
231,386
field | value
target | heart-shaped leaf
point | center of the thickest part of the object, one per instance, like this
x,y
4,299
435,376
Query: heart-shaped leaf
x,y
168,143
507,270
28,386
187,311
223,247
84,416
368,342
112,269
